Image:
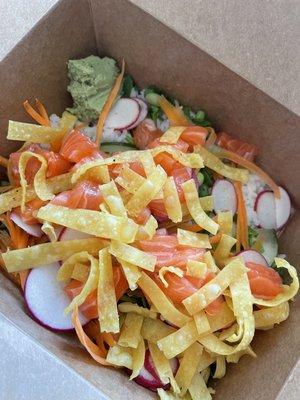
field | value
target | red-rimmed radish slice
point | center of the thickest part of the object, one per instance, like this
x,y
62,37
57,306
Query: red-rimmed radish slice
x,y
253,256
33,230
224,196
142,113
46,299
72,234
123,114
265,209
283,208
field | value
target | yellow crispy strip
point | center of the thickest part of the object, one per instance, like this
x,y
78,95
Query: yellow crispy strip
x,y
47,253
188,366
210,262
205,361
193,239
131,272
288,291
171,201
269,316
132,255
220,367
13,198
147,162
172,135
80,272
96,223
202,323
148,230
225,221
66,270
127,307
234,358
147,192
113,199
222,252
50,231
191,160
224,317
161,302
131,329
88,287
173,270
129,179
207,203
213,162
162,366
32,133
198,389
195,209
196,269
154,329
213,289
39,183
120,356
138,357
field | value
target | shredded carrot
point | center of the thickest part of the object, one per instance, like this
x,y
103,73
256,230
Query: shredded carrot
x,y
91,347
229,155
174,114
108,104
215,239
35,115
3,162
42,111
242,216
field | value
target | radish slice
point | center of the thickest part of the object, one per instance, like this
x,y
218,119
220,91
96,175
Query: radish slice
x,y
72,234
253,256
265,209
143,111
33,230
46,299
282,208
123,114
224,196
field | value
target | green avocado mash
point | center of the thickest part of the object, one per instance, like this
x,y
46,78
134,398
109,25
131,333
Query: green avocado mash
x,y
91,80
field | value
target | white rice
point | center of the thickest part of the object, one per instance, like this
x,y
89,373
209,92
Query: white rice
x,y
250,191
54,120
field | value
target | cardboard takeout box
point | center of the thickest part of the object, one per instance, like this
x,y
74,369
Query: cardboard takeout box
x,y
154,54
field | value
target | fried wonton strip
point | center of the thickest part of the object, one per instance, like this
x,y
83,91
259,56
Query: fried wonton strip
x,y
207,203
162,366
269,316
173,270
193,239
222,252
50,231
47,253
147,192
223,318
220,367
127,307
155,329
147,162
131,272
148,230
106,295
120,356
172,134
161,302
206,359
90,346
129,180
32,133
138,358
191,160
195,209
202,323
89,286
213,162
13,198
113,199
198,389
179,341
225,221
196,269
130,332
96,223
132,255
171,201
188,366
235,358
213,289
210,262
80,272
288,291
66,270
39,183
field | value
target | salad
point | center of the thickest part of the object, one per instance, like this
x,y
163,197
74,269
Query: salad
x,y
131,221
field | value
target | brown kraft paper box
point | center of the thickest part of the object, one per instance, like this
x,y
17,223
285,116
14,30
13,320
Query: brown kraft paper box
x,y
154,54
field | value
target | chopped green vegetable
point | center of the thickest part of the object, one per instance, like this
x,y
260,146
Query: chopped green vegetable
x,y
208,176
135,297
153,99
200,178
252,235
128,85
155,113
284,274
203,190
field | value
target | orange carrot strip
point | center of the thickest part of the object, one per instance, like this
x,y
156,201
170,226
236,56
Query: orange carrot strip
x,y
91,347
108,104
215,239
242,216
229,155
34,114
23,276
174,114
3,162
42,111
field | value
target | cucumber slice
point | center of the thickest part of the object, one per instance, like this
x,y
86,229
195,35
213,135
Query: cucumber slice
x,y
111,147
269,246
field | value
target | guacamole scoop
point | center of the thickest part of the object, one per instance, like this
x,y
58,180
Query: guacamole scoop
x,y
91,80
